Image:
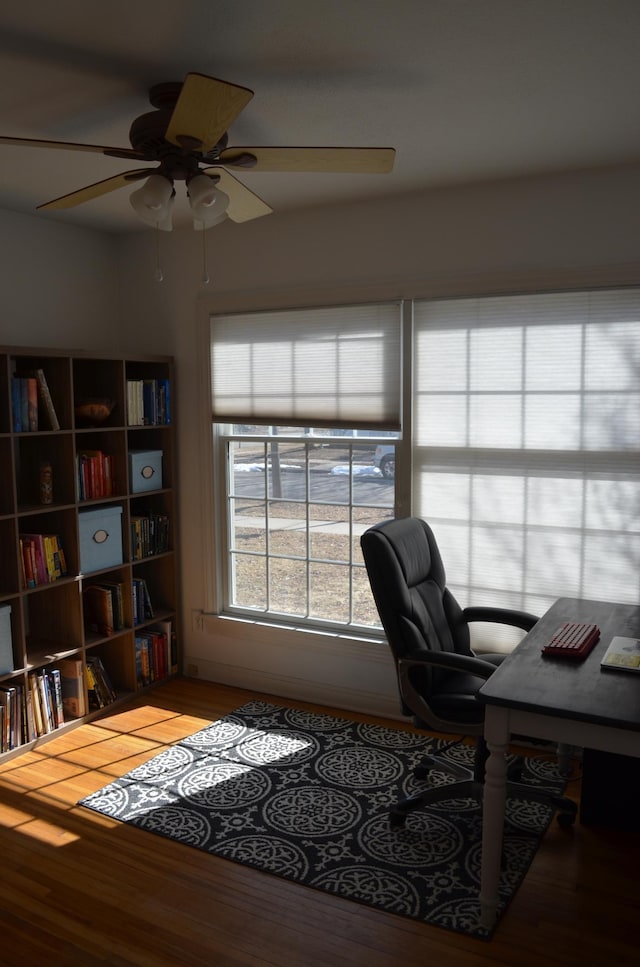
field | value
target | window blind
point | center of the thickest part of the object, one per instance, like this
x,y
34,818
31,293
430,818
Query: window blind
x,y
329,367
527,431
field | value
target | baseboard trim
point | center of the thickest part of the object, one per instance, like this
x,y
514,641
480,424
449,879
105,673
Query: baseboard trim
x,y
320,693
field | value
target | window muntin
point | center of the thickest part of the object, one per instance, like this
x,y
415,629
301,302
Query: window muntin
x,y
297,504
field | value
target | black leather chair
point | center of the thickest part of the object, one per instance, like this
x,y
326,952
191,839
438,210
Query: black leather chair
x,y
438,674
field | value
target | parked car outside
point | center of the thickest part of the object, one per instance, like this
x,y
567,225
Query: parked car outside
x,y
385,459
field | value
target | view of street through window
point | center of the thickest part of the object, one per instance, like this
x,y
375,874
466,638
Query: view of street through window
x,y
297,511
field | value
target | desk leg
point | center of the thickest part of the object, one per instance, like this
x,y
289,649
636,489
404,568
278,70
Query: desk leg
x,y
496,732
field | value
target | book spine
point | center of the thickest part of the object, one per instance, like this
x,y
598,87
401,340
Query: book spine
x,y
45,399
72,685
32,402
16,404
56,688
24,404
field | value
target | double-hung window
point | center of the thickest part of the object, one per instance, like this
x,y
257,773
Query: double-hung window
x,y
306,408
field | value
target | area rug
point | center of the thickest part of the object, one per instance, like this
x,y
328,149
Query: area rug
x,y
306,796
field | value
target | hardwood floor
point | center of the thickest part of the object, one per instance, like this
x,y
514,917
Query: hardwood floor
x,y
79,889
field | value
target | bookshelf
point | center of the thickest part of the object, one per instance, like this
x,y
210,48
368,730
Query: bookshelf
x,y
79,480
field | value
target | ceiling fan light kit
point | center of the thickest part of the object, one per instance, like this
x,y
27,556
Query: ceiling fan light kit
x,y
208,204
189,129
153,202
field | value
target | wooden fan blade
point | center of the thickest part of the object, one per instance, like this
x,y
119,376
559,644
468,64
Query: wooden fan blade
x,y
243,204
351,160
99,188
73,146
204,110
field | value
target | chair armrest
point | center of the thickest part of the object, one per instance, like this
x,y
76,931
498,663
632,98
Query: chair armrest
x,y
504,616
450,660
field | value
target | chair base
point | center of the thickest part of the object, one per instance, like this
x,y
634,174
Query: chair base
x,y
467,787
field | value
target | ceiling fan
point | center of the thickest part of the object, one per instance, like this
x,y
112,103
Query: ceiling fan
x,y
186,136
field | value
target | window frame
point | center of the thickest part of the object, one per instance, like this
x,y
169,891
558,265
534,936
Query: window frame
x,y
222,437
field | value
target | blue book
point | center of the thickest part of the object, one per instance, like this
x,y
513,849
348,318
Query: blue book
x,y
149,401
16,404
165,397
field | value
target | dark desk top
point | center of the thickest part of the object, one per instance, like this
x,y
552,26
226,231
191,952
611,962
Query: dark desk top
x,y
578,690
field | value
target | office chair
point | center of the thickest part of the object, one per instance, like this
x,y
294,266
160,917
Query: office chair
x,y
438,674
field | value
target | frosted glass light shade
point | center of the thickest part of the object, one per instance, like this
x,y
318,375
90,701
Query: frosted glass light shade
x,y
154,201
208,204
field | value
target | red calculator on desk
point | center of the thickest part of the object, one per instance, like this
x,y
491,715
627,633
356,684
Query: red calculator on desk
x,y
572,640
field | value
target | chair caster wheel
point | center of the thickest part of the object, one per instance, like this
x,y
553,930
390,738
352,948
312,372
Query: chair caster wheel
x,y
397,819
514,772
566,820
424,767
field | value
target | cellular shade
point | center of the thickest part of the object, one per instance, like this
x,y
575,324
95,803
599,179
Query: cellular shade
x,y
328,367
527,431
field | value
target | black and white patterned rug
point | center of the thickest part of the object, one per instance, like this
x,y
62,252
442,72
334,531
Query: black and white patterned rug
x,y
306,796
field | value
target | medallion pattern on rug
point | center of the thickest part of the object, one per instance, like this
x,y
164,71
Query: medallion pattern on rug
x,y
306,796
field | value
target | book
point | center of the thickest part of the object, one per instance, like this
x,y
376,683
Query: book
x,y
43,558
46,701
31,384
38,557
72,686
30,725
46,403
141,601
116,589
143,660
56,693
16,404
12,736
5,704
95,700
102,681
98,609
170,662
95,474
623,654
34,690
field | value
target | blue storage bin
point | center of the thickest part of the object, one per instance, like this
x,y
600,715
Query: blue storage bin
x,y
145,470
100,538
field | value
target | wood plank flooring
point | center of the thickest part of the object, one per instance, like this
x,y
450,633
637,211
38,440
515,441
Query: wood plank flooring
x,y
80,889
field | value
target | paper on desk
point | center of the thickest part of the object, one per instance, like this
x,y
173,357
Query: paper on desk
x,y
623,654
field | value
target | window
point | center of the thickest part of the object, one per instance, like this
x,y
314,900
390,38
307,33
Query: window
x,y
301,400
521,448
297,504
526,432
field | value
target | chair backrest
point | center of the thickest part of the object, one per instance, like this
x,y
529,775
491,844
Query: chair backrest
x,y
408,582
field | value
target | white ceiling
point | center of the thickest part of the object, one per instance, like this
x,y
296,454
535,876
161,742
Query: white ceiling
x,y
465,90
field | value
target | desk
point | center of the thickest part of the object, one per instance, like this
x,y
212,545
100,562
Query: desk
x,y
559,700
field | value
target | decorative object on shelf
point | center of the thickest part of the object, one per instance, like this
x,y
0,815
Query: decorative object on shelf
x,y
93,412
46,483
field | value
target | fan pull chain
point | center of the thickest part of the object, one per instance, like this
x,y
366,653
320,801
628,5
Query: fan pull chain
x,y
159,274
205,271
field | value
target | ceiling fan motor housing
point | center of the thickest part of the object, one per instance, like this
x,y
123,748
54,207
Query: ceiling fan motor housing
x,y
148,136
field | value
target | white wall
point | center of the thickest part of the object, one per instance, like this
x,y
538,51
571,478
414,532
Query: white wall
x,y
59,285
555,231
